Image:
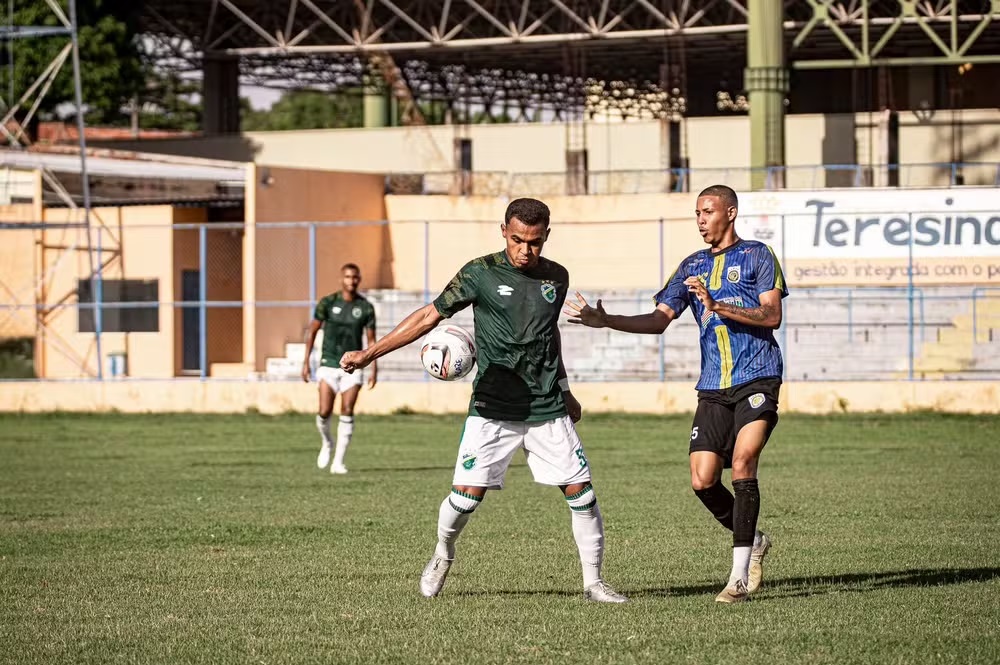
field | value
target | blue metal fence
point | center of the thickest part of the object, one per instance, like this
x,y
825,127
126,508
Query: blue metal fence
x,y
829,333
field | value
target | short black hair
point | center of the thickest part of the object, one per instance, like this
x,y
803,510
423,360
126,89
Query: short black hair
x,y
530,211
724,192
350,266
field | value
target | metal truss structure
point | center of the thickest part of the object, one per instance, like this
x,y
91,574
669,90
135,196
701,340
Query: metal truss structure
x,y
516,54
77,231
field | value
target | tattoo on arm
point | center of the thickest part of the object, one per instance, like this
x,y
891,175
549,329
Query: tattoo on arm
x,y
753,313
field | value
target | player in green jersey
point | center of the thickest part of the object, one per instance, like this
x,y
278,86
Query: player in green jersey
x,y
520,395
345,317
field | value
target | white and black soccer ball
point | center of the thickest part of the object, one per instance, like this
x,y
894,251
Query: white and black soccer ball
x,y
448,352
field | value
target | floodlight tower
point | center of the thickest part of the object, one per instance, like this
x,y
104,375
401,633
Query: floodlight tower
x,y
32,99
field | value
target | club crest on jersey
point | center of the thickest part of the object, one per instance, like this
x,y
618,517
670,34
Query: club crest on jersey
x,y
549,293
733,274
756,400
356,312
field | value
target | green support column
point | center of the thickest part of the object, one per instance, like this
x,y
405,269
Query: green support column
x,y
766,82
379,105
376,108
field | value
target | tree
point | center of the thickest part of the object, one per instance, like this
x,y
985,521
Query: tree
x,y
307,109
111,70
170,102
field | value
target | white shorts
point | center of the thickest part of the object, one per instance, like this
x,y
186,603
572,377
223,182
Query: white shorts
x,y
338,379
552,448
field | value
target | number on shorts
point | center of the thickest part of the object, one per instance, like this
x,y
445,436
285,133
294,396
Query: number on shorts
x,y
582,458
694,433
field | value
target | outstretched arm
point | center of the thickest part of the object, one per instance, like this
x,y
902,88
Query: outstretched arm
x,y
373,373
767,315
653,323
413,327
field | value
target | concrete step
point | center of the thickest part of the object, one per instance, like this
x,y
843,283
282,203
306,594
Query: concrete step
x,y
296,351
282,368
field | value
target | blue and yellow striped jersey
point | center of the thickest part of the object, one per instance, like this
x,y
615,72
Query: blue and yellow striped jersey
x,y
731,353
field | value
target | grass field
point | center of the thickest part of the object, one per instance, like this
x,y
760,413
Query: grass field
x,y
214,539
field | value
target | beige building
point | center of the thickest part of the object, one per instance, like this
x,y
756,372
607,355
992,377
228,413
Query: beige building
x,y
530,157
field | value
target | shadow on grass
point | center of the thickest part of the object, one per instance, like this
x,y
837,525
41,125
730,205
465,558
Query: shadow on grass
x,y
404,469
792,587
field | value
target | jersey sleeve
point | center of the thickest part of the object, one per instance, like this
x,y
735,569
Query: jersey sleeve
x,y
769,274
459,293
370,319
674,294
322,308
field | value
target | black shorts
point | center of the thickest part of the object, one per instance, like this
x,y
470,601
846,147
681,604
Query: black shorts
x,y
722,414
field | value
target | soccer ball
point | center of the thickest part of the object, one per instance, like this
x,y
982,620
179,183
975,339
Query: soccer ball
x,y
448,352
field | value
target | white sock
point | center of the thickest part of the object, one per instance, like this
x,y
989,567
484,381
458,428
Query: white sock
x,y
344,431
323,425
756,539
588,531
455,511
741,564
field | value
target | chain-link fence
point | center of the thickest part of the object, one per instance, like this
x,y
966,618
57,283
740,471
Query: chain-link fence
x,y
187,300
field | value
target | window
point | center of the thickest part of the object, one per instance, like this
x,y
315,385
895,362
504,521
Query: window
x,y
121,319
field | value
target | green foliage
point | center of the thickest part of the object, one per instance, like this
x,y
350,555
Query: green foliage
x,y
306,109
168,102
111,71
17,358
214,539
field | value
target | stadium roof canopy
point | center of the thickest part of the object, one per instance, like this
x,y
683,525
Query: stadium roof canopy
x,y
289,43
125,178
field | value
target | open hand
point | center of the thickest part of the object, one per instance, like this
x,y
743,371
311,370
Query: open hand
x,y
573,408
581,313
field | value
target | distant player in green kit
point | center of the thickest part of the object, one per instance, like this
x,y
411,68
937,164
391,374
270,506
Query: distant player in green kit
x,y
345,317
520,396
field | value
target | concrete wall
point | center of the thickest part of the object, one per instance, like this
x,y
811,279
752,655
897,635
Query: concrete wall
x,y
18,255
281,270
711,143
618,248
136,243
435,397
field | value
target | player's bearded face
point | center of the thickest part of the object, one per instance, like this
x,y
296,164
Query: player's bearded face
x,y
524,242
713,218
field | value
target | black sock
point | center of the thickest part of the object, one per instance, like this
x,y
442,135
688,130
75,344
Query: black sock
x,y
719,502
746,507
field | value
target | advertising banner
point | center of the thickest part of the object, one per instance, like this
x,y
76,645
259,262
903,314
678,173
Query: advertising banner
x,y
878,237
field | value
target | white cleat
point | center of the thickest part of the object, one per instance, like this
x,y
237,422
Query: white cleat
x,y
601,592
757,554
434,575
324,457
338,469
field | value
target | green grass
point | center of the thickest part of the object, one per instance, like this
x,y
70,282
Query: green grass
x,y
214,539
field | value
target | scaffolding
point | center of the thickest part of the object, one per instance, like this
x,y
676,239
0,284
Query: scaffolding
x,y
19,113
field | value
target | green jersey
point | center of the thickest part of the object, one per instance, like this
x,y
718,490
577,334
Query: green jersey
x,y
516,318
344,323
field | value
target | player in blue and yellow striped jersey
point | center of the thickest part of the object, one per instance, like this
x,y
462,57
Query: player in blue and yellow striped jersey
x,y
734,289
